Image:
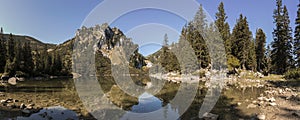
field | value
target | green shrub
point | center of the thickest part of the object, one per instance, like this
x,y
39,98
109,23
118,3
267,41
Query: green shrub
x,y
232,62
292,74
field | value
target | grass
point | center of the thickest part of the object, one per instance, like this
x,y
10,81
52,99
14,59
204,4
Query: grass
x,y
250,75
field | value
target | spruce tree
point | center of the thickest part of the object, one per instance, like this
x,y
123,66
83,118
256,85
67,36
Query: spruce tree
x,y
28,61
223,27
297,38
10,54
260,43
251,61
242,38
166,41
2,53
281,55
18,59
195,31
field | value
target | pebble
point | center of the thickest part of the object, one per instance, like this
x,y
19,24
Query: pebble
x,y
239,103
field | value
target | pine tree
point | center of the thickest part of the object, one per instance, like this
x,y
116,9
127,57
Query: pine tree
x,y
268,60
18,59
195,31
10,54
37,57
242,38
168,59
2,53
260,42
251,61
28,61
282,45
166,40
297,38
56,64
186,57
200,23
223,27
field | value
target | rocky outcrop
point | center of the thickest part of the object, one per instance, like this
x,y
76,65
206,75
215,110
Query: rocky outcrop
x,y
110,42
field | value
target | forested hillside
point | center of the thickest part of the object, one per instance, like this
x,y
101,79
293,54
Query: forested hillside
x,y
245,49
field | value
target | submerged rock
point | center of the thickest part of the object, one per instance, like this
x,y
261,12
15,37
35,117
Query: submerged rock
x,y
210,116
52,112
261,117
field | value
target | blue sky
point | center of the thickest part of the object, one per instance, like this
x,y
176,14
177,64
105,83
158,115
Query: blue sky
x,y
57,20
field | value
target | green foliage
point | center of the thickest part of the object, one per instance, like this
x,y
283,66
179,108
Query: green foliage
x,y
281,54
10,54
260,50
297,38
242,39
2,53
232,62
292,74
137,60
168,60
223,27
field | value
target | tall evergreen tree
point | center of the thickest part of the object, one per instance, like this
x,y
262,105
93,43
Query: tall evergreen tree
x,y
2,53
268,60
260,43
281,55
10,54
223,27
200,23
195,32
18,59
242,38
297,38
28,61
166,40
251,60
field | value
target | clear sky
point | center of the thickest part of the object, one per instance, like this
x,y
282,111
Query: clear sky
x,y
55,21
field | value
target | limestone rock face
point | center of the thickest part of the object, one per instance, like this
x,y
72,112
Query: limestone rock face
x,y
110,42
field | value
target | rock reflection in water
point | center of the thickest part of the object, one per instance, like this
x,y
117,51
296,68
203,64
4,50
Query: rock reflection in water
x,y
52,113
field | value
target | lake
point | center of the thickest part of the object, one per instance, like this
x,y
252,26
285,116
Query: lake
x,y
91,98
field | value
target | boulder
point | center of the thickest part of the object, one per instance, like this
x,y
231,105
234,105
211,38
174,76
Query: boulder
x,y
26,111
12,81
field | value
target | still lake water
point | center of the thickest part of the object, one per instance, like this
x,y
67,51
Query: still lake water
x,y
82,98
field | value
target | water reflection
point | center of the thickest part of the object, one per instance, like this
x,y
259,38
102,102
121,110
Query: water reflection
x,y
113,103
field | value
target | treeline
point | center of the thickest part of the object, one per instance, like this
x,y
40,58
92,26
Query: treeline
x,y
243,50
18,57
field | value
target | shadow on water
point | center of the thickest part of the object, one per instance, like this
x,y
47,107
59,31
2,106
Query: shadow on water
x,y
286,83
